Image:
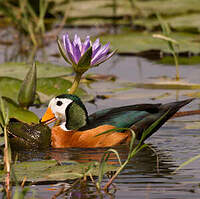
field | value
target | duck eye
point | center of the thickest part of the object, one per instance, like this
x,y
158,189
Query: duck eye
x,y
59,103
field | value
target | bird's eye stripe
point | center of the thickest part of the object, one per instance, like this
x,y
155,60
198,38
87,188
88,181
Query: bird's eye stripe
x,y
59,103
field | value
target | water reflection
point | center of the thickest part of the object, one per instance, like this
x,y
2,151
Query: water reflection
x,y
145,161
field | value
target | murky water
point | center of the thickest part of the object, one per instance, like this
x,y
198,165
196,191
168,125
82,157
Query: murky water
x,y
174,143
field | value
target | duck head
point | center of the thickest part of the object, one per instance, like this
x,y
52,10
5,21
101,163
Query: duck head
x,y
68,110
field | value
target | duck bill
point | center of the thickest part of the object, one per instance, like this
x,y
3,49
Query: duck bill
x,y
48,117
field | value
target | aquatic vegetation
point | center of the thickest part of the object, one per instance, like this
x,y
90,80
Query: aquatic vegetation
x,y
83,55
25,17
23,89
133,150
171,43
27,92
192,159
4,119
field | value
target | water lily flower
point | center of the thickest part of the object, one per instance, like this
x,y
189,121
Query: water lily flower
x,y
83,55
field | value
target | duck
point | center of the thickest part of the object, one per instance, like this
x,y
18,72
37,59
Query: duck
x,y
75,128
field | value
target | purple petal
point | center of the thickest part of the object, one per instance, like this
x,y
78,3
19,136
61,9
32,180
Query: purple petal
x,y
86,45
95,51
95,45
76,53
71,58
100,57
102,50
68,47
103,59
67,43
77,41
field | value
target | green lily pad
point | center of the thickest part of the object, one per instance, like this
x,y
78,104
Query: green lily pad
x,y
169,60
168,7
19,113
46,88
19,70
97,12
52,87
185,22
11,89
162,85
137,42
40,171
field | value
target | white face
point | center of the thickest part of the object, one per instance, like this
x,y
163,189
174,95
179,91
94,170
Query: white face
x,y
58,107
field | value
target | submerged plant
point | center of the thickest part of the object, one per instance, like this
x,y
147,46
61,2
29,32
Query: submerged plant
x,y
83,55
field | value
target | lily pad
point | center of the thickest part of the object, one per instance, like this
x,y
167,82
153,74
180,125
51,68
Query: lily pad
x,y
169,60
19,113
175,85
40,171
52,87
137,42
185,22
97,12
46,88
11,89
19,70
168,7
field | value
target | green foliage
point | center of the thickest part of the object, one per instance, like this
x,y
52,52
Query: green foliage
x,y
62,51
137,42
19,70
84,62
40,171
14,111
27,91
187,162
27,18
132,151
20,193
171,43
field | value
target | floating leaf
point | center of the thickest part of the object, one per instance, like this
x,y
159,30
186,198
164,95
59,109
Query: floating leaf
x,y
39,171
163,85
55,86
184,22
19,113
137,42
19,70
11,89
46,88
169,60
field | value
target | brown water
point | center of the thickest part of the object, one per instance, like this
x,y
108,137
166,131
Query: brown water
x,y
174,143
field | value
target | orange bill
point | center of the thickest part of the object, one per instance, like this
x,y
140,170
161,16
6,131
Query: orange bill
x,y
48,117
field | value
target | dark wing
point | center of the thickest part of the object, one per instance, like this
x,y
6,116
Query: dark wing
x,y
121,117
139,117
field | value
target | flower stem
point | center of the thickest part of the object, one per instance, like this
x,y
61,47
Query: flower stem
x,y
75,83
